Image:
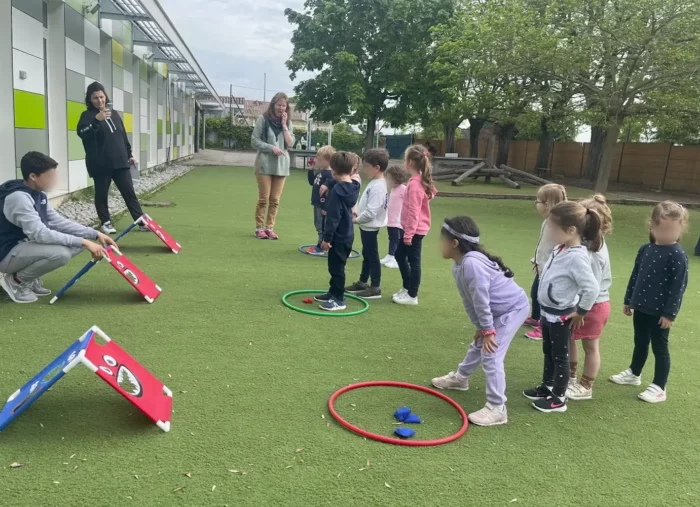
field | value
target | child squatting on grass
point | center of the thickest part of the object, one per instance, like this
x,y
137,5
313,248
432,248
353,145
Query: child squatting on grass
x,y
396,178
415,222
371,218
319,177
591,330
568,290
338,234
654,297
548,196
496,305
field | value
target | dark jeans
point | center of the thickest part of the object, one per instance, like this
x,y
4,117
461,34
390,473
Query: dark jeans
x,y
408,259
371,267
533,295
647,329
337,257
125,185
555,345
394,239
697,248
319,223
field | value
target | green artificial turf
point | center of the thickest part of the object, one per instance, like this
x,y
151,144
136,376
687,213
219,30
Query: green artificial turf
x,y
251,379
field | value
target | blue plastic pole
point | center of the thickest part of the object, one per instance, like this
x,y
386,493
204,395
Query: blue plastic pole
x,y
72,281
126,231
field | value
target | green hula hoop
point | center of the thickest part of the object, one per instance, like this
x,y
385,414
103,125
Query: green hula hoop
x,y
323,314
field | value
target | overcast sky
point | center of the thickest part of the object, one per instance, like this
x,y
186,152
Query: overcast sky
x,y
238,41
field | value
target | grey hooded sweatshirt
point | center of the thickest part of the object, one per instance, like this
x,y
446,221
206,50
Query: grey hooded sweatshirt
x,y
567,283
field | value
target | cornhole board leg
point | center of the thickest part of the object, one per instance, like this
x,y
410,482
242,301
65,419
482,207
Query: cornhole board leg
x,y
23,397
127,230
155,227
129,378
136,278
72,281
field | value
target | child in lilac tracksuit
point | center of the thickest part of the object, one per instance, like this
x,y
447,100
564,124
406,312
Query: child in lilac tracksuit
x,y
496,305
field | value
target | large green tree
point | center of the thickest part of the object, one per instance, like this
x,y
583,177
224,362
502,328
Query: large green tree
x,y
362,53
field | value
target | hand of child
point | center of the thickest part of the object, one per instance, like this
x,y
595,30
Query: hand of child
x,y
323,190
665,323
354,219
323,212
575,320
477,335
408,241
325,246
489,344
627,310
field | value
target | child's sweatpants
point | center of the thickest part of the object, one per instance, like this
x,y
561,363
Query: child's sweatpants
x,y
319,222
506,327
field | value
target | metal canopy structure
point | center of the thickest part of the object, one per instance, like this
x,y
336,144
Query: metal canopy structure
x,y
154,29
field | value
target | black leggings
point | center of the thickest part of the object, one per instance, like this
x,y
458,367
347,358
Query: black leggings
x,y
533,295
371,266
125,185
555,345
408,257
646,330
394,239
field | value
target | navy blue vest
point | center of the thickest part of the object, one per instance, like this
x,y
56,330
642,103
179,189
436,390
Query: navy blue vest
x,y
10,234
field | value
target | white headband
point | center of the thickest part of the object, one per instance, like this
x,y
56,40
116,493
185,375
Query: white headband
x,y
471,239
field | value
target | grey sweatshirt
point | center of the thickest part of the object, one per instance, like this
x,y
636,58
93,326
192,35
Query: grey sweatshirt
x,y
371,209
19,210
600,264
567,282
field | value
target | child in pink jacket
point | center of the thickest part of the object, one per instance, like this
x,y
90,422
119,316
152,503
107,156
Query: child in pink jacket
x,y
396,178
415,221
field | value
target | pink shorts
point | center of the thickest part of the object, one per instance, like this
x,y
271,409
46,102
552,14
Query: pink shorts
x,y
594,322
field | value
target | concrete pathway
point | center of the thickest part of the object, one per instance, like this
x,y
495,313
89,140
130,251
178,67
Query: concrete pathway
x,y
224,158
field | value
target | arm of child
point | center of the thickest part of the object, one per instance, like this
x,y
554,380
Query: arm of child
x,y
587,283
19,210
375,202
678,274
334,211
633,277
311,175
58,222
411,211
479,284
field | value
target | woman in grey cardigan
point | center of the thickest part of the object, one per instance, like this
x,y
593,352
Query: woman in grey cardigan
x,y
272,137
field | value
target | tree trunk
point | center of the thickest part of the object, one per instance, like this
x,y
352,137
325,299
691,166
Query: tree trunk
x,y
449,129
506,133
475,127
595,152
546,144
606,159
370,132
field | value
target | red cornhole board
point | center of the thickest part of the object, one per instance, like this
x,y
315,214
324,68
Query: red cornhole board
x,y
160,232
136,278
130,379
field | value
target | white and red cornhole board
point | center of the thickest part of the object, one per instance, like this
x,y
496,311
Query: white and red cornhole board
x,y
112,364
156,229
136,278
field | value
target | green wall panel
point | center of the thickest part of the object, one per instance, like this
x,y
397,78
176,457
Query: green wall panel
x,y
75,147
160,127
30,110
75,109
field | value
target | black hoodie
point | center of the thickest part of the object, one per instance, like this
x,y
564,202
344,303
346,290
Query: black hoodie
x,y
10,234
107,147
339,228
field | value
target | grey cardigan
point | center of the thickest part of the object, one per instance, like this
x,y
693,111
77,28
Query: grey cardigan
x,y
267,162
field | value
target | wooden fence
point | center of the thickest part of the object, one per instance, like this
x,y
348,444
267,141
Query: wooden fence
x,y
656,166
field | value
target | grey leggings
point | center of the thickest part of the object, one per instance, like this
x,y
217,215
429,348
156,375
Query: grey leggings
x,y
29,261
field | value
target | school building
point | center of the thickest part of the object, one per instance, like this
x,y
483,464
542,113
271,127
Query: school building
x,y
51,50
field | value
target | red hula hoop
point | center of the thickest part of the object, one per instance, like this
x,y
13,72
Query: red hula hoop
x,y
396,441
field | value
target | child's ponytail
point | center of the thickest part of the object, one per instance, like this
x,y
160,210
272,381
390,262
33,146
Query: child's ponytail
x,y
586,221
420,157
592,231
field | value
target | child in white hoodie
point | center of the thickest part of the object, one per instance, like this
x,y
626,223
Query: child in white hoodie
x,y
371,217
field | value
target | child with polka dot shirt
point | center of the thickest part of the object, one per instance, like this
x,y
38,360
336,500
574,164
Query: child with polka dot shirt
x,y
654,296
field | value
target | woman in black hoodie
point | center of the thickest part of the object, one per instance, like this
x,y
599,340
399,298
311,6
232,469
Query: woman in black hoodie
x,y
107,155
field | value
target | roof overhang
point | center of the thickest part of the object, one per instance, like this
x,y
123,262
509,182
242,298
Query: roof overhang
x,y
154,29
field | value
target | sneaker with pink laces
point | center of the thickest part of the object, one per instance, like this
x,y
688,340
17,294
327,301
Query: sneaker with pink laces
x,y
260,234
535,334
271,234
530,322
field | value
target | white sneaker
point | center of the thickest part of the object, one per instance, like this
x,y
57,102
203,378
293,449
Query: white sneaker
x,y
627,378
391,264
577,392
402,292
452,380
108,228
572,381
385,259
490,415
405,299
653,394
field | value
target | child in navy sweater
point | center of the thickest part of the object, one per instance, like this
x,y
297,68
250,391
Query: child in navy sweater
x,y
320,176
654,296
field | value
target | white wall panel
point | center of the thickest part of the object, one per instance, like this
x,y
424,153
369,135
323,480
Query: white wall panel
x,y
34,69
75,56
118,99
78,175
27,34
128,82
92,37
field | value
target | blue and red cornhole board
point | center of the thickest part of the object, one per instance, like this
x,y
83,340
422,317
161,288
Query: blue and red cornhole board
x,y
136,278
156,229
112,364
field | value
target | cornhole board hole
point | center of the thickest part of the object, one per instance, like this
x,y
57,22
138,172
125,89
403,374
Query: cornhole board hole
x,y
156,229
136,278
112,364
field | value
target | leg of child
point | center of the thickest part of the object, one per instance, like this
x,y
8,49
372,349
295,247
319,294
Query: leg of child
x,y
370,251
573,359
402,261
560,333
492,363
548,369
414,259
318,223
642,337
337,257
533,296
394,238
591,363
367,255
662,358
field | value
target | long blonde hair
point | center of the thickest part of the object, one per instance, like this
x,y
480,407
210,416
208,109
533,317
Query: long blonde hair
x,y
551,195
599,203
420,157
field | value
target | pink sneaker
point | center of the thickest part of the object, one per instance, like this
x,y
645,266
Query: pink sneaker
x,y
535,334
530,322
271,235
260,234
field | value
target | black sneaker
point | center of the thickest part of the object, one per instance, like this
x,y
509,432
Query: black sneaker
x,y
356,287
323,298
537,393
370,293
550,404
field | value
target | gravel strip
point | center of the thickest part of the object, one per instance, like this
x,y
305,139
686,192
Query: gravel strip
x,y
84,212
